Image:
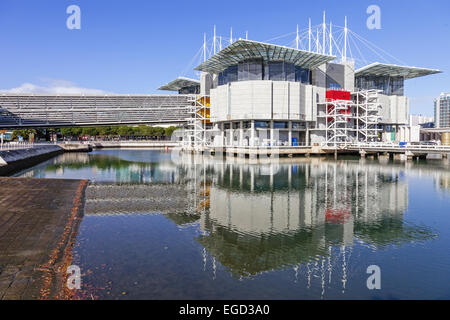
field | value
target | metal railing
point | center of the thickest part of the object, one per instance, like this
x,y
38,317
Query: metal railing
x,y
124,142
381,145
6,146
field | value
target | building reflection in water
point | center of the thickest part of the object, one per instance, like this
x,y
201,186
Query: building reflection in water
x,y
106,168
306,214
256,217
444,184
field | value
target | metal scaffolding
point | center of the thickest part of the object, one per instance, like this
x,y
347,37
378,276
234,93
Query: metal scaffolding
x,y
367,115
352,121
198,121
337,118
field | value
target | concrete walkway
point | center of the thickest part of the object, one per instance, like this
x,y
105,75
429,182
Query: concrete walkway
x,y
15,160
39,220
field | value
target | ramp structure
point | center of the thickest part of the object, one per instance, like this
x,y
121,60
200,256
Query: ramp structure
x,y
21,111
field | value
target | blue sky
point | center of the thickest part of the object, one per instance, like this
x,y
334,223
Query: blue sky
x,y
135,46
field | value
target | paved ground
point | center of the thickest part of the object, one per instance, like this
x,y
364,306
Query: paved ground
x,y
39,220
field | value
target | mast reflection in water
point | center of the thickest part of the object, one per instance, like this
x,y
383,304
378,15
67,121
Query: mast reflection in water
x,y
300,229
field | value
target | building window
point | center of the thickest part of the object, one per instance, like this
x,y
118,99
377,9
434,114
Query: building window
x,y
230,74
262,124
302,75
298,125
276,71
388,85
256,69
289,70
190,90
280,125
250,70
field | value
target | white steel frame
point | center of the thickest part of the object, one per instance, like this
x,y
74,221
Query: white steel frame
x,y
196,132
363,119
336,129
367,115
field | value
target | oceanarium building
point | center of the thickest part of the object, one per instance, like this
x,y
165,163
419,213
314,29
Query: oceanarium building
x,y
260,94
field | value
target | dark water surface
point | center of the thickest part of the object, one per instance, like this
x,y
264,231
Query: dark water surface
x,y
203,228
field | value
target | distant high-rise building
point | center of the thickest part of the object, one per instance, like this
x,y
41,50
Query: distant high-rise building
x,y
442,111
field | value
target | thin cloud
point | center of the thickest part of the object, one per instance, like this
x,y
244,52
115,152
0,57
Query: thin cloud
x,y
52,87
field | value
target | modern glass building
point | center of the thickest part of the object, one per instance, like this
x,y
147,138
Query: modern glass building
x,y
442,111
263,94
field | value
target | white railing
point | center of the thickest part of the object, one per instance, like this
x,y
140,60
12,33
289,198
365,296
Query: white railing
x,y
27,145
16,146
156,142
5,146
381,145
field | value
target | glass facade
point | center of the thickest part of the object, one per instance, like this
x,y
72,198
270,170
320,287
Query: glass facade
x,y
190,90
250,70
442,111
280,71
230,74
255,69
298,125
392,86
280,125
302,75
335,76
262,124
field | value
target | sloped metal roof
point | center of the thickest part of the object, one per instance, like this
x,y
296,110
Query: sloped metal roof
x,y
381,69
179,83
247,49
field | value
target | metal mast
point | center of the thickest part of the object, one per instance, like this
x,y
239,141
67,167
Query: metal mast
x,y
345,40
331,38
324,31
214,40
204,47
309,36
317,41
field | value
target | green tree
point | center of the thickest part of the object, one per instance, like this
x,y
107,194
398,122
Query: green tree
x,y
77,131
105,131
141,130
169,131
113,131
125,131
24,133
158,131
67,132
145,130
89,131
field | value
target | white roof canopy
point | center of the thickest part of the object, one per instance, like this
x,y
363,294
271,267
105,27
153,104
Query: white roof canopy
x,y
390,70
246,49
180,83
